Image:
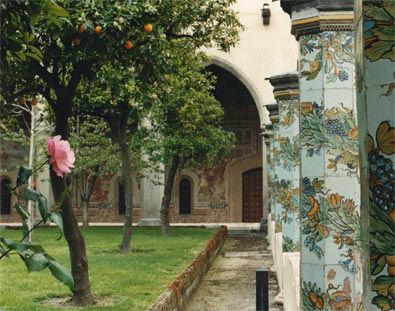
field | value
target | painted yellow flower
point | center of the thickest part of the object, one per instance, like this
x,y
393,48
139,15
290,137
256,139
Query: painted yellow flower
x,y
314,66
315,206
334,200
305,107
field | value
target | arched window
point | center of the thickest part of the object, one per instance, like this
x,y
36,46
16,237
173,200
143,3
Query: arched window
x,y
185,196
5,208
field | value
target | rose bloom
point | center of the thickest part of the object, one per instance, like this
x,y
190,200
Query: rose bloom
x,y
61,156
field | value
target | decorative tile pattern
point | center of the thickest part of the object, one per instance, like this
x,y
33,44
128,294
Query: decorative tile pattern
x,y
376,81
329,194
287,168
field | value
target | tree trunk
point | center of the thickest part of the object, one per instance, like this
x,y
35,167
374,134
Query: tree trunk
x,y
85,197
164,208
125,246
79,263
84,205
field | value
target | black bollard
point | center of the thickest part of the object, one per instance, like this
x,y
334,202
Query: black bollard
x,y
262,289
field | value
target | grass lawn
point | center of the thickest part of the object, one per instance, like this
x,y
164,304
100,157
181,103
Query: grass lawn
x,y
132,281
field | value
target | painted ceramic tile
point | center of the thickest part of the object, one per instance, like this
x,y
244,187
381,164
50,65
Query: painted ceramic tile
x,y
339,97
289,111
333,130
379,52
382,107
338,292
379,30
382,215
330,54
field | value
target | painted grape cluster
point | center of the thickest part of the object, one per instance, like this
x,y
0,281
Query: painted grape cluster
x,y
382,181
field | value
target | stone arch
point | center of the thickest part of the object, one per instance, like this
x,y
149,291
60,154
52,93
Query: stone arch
x,y
231,68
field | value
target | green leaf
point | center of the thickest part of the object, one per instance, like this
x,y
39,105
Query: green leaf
x,y
57,10
36,262
22,246
377,265
6,241
21,212
25,227
382,230
61,273
3,251
55,21
34,56
382,284
21,55
23,175
43,208
32,195
58,220
35,50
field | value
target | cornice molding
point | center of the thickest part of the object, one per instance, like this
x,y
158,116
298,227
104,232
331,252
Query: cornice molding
x,y
322,23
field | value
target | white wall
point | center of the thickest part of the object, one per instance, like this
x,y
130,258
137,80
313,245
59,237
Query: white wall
x,y
263,51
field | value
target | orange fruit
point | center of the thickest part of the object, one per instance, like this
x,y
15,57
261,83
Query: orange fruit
x,y
98,29
128,44
76,41
148,27
391,270
34,102
22,100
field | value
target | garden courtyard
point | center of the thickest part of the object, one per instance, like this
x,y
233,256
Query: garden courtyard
x,y
119,281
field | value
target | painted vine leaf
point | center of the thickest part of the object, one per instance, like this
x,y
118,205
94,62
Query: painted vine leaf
x,y
382,213
385,137
379,30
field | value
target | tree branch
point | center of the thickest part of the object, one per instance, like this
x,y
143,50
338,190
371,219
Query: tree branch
x,y
48,77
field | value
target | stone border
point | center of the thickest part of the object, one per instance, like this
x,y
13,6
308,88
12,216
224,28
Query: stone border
x,y
178,293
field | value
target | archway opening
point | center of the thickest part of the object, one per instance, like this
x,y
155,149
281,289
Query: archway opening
x,y
241,117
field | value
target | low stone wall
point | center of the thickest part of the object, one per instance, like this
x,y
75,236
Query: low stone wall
x,y
178,293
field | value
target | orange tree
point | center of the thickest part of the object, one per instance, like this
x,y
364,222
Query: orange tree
x,y
126,93
74,46
187,125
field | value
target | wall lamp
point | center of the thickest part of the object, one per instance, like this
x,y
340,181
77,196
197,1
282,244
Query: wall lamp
x,y
266,14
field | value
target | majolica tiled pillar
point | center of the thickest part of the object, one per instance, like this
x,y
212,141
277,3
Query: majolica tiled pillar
x,y
287,161
375,76
286,93
331,270
276,207
267,135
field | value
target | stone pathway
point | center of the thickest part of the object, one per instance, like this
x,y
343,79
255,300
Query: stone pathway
x,y
230,282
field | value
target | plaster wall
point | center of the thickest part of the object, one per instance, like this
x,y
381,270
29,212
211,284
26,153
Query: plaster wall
x,y
252,59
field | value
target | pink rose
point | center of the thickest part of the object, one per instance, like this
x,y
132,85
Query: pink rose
x,y
61,156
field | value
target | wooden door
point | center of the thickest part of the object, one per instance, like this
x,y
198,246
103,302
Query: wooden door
x,y
252,195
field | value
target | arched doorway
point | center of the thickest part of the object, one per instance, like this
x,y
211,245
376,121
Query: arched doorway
x,y
252,195
241,116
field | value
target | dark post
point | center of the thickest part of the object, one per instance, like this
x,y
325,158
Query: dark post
x,y
262,289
